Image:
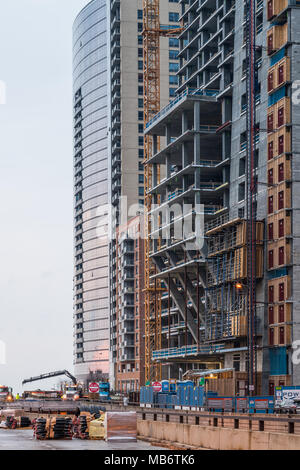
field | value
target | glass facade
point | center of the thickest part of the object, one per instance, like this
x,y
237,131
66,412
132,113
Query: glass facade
x,y
91,254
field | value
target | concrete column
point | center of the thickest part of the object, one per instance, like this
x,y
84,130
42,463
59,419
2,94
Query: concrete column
x,y
184,152
168,166
154,174
167,134
197,156
154,144
197,179
197,115
226,145
184,121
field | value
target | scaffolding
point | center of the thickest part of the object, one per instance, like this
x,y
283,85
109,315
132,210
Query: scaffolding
x,y
226,305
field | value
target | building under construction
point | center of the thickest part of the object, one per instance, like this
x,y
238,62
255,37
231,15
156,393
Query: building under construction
x,y
222,224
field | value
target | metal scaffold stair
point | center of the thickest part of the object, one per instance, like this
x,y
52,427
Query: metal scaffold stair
x,y
188,285
179,300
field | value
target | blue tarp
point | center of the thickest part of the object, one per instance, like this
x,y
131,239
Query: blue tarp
x,y
277,57
278,361
276,96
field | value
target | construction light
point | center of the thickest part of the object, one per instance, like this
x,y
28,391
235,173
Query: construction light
x,y
239,286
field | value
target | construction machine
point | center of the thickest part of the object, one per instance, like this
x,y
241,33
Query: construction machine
x,y
42,394
70,392
6,393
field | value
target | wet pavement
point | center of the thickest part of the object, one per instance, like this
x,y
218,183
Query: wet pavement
x,y
24,440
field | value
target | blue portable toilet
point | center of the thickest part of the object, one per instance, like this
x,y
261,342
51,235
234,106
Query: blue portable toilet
x,y
142,395
191,395
150,396
198,396
201,396
180,395
186,396
174,400
165,386
195,393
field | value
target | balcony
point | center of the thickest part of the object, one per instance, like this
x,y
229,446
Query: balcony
x,y
115,23
116,97
193,350
189,92
116,70
115,49
114,5
115,35
116,147
116,134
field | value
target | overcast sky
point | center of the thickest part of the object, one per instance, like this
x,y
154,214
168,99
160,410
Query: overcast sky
x,y
36,188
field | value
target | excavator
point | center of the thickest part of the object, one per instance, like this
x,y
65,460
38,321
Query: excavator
x,y
71,392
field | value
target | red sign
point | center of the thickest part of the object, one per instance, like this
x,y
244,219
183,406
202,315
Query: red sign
x,y
156,386
94,387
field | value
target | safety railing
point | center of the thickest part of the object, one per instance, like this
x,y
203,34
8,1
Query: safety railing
x,y
187,92
186,350
263,422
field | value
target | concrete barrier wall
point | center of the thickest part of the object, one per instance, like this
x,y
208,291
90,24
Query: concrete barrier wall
x,y
217,438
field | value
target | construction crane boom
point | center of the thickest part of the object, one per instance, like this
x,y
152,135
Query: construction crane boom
x,y
50,375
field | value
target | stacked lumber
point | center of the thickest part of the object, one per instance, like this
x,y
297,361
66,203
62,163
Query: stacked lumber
x,y
97,430
120,426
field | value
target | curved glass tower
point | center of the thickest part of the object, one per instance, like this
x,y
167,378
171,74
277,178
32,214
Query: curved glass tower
x,y
91,254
